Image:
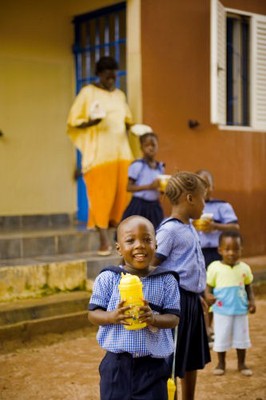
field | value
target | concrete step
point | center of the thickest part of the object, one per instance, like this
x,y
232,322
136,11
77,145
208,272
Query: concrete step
x,y
42,254
29,242
35,277
52,314
37,221
45,307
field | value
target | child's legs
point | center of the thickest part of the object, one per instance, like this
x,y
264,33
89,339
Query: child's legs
x,y
150,377
115,374
221,360
210,318
223,328
241,359
188,385
240,339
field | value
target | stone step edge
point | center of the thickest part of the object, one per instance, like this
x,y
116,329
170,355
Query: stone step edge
x,y
57,324
27,310
85,256
44,232
39,220
60,297
46,243
35,280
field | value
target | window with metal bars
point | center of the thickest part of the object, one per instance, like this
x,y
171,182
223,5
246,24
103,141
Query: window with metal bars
x,y
100,33
237,65
238,68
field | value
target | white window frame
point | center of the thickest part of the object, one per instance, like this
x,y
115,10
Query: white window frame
x,y
257,68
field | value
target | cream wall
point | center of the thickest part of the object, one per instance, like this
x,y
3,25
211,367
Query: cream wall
x,y
37,87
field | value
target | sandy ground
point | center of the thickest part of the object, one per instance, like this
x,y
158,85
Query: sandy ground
x,y
65,367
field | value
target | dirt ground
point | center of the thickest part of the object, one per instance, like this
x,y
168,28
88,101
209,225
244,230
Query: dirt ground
x,y
65,367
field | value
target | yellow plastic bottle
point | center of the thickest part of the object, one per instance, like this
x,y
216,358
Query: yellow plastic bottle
x,y
130,288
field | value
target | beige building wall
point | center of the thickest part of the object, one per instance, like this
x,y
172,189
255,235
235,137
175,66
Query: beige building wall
x,y
37,87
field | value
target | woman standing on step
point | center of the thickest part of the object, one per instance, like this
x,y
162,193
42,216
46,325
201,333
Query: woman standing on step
x,y
97,125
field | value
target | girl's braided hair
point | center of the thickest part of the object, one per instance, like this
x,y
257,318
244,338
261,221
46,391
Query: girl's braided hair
x,y
183,182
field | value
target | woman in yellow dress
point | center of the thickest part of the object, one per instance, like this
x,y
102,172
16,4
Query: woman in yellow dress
x,y
97,125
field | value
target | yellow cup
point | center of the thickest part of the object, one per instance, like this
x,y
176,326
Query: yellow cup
x,y
202,223
163,179
130,288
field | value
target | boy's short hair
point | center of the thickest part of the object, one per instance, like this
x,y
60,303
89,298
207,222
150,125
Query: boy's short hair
x,y
139,218
231,234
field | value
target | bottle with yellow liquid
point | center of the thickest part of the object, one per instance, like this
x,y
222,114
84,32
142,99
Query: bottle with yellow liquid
x,y
130,288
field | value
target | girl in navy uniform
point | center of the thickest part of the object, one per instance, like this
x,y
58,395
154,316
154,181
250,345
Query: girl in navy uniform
x,y
136,362
179,250
143,182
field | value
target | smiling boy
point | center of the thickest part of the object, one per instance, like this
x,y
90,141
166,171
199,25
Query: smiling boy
x,y
135,364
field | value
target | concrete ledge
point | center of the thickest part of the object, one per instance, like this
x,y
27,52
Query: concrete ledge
x,y
58,324
37,280
45,307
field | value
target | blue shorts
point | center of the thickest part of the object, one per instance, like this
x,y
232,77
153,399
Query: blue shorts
x,y
126,378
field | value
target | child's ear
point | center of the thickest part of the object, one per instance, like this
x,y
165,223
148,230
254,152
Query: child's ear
x,y
189,198
117,246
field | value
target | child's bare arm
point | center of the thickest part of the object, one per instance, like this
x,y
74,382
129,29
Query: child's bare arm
x,y
102,317
208,295
210,226
132,187
163,321
251,299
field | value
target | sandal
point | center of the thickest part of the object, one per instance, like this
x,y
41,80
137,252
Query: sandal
x,y
246,372
218,371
